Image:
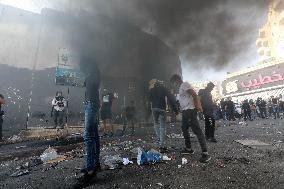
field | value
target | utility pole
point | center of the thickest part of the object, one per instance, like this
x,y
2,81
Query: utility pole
x,y
33,71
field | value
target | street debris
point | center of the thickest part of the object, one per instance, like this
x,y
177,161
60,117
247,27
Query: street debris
x,y
112,162
179,136
166,158
20,173
243,123
145,157
160,184
126,161
173,135
18,147
184,161
220,163
50,156
14,138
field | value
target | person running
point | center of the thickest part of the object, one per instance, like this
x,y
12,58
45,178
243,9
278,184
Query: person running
x,y
190,105
91,134
157,96
2,101
208,111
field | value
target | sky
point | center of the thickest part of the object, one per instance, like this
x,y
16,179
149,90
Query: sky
x,y
211,38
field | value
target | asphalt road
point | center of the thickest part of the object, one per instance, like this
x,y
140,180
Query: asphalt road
x,y
233,165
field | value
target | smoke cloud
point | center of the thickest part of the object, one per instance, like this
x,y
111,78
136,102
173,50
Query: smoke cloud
x,y
212,34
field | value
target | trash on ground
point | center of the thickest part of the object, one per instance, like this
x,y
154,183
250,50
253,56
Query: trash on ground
x,y
166,158
243,123
145,157
160,184
50,156
184,161
126,161
18,147
179,166
20,173
173,135
134,150
220,164
112,162
15,138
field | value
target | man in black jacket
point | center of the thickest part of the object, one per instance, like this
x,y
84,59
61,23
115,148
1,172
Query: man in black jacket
x,y
2,101
246,109
208,110
157,96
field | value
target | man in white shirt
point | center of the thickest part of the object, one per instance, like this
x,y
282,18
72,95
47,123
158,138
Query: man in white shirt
x,y
190,105
59,104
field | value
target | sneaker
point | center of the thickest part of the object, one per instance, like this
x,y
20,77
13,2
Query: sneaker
x,y
187,151
205,158
97,168
85,180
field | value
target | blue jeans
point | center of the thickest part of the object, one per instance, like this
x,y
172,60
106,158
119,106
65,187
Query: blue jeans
x,y
276,111
159,116
91,136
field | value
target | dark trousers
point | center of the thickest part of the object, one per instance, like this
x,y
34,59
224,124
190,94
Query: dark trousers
x,y
247,115
189,119
281,107
231,116
276,111
263,113
58,118
1,123
129,125
209,126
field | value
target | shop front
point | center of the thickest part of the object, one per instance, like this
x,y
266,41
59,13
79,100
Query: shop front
x,y
261,81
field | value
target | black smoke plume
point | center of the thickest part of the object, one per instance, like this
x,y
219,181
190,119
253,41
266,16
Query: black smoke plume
x,y
210,33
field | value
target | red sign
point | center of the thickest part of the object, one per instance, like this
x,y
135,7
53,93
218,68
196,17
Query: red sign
x,y
262,80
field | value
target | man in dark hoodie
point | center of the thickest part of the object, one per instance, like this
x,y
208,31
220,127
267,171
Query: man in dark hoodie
x,y
208,110
246,109
157,96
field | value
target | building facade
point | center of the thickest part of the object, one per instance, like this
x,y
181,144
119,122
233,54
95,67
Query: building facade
x,y
262,81
270,43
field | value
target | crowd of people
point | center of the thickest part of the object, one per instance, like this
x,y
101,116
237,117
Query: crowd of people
x,y
250,109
